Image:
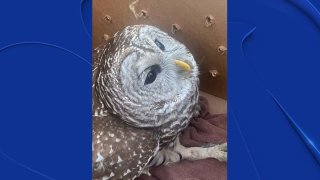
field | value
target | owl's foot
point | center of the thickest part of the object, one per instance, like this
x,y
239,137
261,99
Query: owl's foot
x,y
177,152
218,151
165,156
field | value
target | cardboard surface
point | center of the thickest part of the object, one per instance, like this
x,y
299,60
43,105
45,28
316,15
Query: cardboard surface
x,y
190,15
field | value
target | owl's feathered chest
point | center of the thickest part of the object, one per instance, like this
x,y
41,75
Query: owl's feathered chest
x,y
179,120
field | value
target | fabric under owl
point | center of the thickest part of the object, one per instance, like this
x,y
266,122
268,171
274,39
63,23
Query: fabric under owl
x,y
145,92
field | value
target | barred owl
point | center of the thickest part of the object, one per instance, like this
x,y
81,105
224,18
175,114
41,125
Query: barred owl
x,y
145,91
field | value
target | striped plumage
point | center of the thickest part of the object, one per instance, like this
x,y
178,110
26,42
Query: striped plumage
x,y
139,89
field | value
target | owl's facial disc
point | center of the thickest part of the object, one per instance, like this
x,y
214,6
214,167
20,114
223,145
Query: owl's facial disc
x,y
156,75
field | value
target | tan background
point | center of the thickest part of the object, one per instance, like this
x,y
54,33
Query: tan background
x,y
190,15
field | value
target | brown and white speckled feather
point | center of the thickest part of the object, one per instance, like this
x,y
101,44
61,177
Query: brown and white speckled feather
x,y
120,151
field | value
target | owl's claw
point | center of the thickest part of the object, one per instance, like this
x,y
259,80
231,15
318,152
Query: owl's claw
x,y
219,152
165,156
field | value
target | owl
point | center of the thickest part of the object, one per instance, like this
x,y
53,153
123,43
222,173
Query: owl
x,y
145,92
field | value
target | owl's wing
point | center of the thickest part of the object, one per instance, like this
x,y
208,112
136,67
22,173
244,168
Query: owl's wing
x,y
97,107
120,151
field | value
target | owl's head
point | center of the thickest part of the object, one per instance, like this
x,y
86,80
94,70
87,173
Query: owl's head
x,y
146,77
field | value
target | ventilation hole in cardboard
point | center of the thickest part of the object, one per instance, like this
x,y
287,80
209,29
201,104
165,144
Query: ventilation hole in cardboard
x,y
209,21
175,28
143,14
222,50
132,7
214,73
108,18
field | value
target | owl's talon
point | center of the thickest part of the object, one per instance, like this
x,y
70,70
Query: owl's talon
x,y
165,156
221,156
219,152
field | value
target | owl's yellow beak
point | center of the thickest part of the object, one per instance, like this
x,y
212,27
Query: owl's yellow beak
x,y
184,66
